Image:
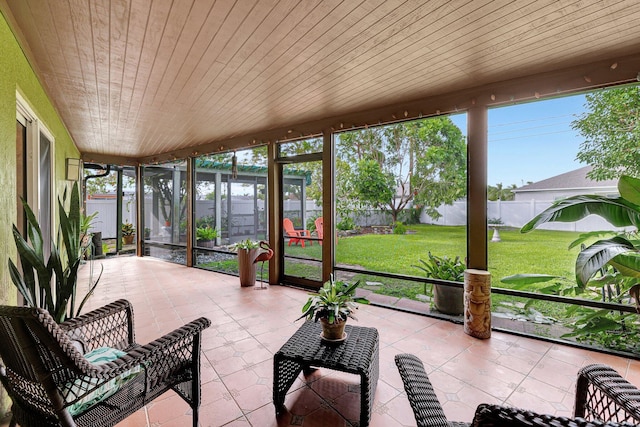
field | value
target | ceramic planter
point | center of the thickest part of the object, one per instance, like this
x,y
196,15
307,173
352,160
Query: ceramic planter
x,y
332,331
247,267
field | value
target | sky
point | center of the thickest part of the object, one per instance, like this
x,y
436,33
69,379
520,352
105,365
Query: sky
x,y
532,141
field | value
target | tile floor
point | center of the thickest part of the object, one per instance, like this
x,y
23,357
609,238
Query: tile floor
x,y
249,326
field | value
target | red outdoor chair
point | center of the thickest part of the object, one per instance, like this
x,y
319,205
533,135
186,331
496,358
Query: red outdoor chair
x,y
295,236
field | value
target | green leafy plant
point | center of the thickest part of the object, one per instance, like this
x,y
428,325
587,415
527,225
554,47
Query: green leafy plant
x,y
206,233
247,244
51,283
446,299
335,301
621,251
128,229
346,223
399,228
444,268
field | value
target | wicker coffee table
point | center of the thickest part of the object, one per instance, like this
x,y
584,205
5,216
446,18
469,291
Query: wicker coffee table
x,y
358,354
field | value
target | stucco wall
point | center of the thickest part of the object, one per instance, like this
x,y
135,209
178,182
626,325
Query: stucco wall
x,y
17,74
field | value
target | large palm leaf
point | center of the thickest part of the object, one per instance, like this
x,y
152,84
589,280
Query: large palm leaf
x,y
617,211
593,258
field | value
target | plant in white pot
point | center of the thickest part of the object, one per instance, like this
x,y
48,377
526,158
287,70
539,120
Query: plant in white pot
x,y
334,303
247,251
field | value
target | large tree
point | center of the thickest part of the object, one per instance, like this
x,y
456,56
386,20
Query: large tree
x,y
423,162
612,133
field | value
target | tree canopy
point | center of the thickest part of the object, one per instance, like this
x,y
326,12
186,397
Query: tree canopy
x,y
612,133
387,167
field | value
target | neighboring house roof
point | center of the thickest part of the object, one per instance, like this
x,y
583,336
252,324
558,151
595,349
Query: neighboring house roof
x,y
573,180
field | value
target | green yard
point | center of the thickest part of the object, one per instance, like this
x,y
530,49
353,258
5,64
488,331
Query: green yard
x,y
541,251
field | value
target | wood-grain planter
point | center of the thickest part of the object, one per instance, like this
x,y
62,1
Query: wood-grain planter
x,y
247,267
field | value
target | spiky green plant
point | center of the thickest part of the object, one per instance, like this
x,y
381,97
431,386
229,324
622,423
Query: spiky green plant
x,y
51,283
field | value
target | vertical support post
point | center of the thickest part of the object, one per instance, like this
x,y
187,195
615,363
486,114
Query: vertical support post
x,y
140,220
328,205
218,207
274,191
189,186
175,205
119,210
477,125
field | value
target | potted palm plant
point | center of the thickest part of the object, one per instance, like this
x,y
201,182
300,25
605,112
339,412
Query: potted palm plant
x,y
334,303
247,251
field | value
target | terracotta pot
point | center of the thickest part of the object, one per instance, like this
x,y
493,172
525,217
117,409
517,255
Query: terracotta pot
x,y
246,266
128,239
332,331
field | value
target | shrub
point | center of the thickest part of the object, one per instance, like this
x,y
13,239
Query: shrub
x,y
346,223
399,228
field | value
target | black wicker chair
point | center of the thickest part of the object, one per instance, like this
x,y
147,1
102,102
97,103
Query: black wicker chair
x,y
603,398
48,377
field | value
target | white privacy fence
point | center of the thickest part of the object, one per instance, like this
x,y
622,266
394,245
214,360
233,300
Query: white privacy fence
x,y
510,213
516,214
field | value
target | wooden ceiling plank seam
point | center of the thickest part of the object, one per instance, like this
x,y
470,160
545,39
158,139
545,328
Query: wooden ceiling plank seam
x,y
197,19
206,36
320,58
282,57
228,27
174,30
382,72
586,39
527,34
402,50
274,60
99,17
286,90
214,81
80,22
120,14
327,68
276,33
135,45
158,13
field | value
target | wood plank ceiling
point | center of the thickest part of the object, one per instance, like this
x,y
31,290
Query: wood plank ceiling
x,y
140,79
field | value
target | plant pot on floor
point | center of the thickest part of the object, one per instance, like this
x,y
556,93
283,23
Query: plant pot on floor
x,y
448,300
247,267
128,240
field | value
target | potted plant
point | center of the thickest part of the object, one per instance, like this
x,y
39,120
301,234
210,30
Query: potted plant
x,y
127,233
50,283
446,299
206,236
334,303
247,251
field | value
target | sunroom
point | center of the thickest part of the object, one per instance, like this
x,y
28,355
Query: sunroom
x,y
250,113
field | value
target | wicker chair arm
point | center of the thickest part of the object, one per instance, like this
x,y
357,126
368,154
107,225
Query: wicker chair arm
x,y
602,394
108,326
170,351
422,398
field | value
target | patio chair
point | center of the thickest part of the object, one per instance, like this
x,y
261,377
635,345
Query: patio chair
x,y
320,229
295,236
603,398
89,371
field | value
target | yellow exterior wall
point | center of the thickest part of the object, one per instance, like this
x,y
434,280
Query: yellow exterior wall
x,y
16,74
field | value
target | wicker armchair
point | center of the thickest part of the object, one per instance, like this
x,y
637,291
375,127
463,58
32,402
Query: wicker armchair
x,y
52,383
603,398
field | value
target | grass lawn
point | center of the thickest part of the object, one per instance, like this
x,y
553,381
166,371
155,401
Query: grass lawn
x,y
540,251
